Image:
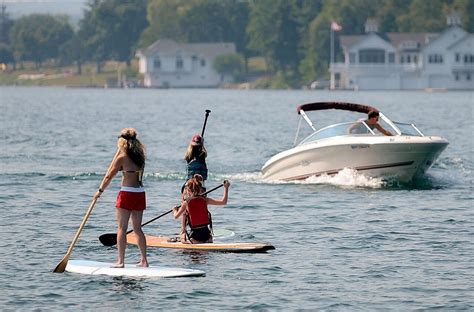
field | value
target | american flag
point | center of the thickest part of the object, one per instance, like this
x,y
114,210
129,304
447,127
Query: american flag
x,y
335,26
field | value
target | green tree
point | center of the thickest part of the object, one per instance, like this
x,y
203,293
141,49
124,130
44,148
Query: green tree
x,y
274,31
229,64
6,55
73,51
5,25
465,8
163,21
388,12
37,37
424,16
111,29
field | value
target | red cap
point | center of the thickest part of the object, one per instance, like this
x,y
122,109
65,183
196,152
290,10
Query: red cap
x,y
197,140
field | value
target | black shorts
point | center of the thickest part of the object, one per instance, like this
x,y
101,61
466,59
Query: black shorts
x,y
202,234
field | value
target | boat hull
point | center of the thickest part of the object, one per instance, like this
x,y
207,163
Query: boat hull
x,y
399,157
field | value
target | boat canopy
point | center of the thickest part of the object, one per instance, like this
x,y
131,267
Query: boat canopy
x,y
336,105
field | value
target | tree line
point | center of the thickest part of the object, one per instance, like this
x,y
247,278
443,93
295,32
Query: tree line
x,y
291,35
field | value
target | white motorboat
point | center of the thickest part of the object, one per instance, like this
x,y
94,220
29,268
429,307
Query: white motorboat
x,y
404,155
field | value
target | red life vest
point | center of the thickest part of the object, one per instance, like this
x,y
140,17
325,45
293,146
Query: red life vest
x,y
197,214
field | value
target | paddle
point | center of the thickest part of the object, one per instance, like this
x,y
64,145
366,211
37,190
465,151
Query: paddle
x,y
205,122
110,239
62,265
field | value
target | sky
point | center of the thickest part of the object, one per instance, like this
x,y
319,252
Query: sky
x,y
18,8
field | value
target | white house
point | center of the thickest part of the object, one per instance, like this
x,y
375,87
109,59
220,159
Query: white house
x,y
167,63
406,61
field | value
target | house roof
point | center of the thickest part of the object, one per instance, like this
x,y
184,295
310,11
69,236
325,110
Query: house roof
x,y
348,40
422,39
201,49
396,39
466,37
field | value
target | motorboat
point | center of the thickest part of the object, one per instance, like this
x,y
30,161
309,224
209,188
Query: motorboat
x,y
404,155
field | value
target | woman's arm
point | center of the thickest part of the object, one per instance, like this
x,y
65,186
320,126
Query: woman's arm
x,y
223,200
177,212
114,167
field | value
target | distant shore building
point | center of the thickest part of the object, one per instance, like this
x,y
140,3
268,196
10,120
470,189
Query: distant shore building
x,y
406,61
168,64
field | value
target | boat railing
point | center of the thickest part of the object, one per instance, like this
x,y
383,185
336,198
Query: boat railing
x,y
340,129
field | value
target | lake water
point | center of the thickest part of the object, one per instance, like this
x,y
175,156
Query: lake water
x,y
342,243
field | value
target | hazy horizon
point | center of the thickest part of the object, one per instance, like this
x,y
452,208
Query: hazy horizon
x,y
18,8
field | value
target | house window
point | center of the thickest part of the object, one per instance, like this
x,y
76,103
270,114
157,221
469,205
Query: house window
x,y
435,58
402,59
408,58
468,76
352,58
203,62
376,56
458,57
469,58
415,59
456,76
156,62
179,62
391,57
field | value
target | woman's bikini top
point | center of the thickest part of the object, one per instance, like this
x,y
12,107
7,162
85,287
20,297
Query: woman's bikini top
x,y
139,175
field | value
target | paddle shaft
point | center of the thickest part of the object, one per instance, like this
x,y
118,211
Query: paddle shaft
x,y
205,122
150,221
62,265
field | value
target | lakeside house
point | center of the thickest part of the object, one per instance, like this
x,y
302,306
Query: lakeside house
x,y
169,64
406,61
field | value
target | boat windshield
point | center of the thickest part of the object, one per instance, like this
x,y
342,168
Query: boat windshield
x,y
341,129
358,128
408,129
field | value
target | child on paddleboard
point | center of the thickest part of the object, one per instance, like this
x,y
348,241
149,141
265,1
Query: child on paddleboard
x,y
195,157
195,213
131,201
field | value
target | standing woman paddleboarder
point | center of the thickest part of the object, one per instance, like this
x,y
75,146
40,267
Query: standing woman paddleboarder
x,y
131,202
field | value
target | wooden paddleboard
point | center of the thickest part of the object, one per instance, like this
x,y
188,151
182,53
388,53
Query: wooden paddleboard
x,y
104,268
163,242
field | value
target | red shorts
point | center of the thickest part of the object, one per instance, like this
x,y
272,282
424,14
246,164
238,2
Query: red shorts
x,y
131,200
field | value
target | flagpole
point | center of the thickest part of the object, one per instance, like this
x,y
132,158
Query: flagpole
x,y
331,58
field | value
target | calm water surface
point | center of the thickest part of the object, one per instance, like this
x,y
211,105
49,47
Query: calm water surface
x,y
342,243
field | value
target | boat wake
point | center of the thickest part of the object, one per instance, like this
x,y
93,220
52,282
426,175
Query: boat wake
x,y
347,178
344,178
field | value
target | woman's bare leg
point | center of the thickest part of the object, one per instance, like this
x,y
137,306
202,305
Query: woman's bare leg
x,y
137,228
123,216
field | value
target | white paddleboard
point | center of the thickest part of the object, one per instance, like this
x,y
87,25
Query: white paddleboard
x,y
104,268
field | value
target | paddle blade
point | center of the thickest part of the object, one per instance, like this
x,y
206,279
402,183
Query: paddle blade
x,y
109,239
61,267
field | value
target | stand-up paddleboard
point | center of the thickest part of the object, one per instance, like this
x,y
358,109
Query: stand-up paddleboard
x,y
170,242
104,268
